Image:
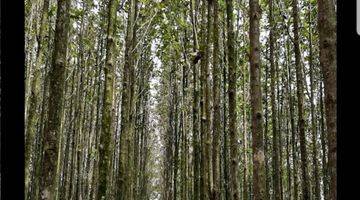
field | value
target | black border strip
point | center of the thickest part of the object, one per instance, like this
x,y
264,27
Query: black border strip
x,y
12,99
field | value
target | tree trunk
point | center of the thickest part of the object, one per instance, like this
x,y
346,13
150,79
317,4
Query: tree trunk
x,y
300,93
234,183
276,167
327,35
125,158
312,112
107,112
34,97
53,124
195,106
259,179
216,107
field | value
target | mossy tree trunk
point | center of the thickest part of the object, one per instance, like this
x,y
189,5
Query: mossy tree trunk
x,y
234,183
107,112
216,106
53,123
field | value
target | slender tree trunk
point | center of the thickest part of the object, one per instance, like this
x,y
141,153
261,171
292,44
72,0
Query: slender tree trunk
x,y
53,124
107,114
226,168
293,128
216,107
276,167
225,124
204,101
266,137
279,116
312,112
323,143
300,102
245,138
259,179
34,98
327,35
234,183
288,191
125,162
195,109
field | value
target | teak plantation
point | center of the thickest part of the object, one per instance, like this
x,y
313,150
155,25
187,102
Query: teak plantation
x,y
180,99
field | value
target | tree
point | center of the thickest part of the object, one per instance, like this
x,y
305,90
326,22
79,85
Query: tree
x,y
300,104
312,112
107,115
216,105
259,179
125,158
138,100
232,102
327,35
275,131
34,97
53,123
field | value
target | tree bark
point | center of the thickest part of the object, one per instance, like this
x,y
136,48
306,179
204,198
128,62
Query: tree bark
x,y
276,167
300,98
259,179
327,35
107,112
216,107
125,158
234,183
53,124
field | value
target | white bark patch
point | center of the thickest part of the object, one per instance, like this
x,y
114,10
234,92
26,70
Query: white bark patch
x,y
45,194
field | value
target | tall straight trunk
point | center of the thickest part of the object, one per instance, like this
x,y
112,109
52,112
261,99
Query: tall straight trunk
x,y
225,139
292,124
279,116
91,135
168,193
176,135
125,162
204,101
53,124
99,88
43,114
234,183
216,106
312,112
288,169
266,137
276,166
259,179
184,126
195,106
71,144
207,94
327,35
300,102
323,143
132,108
245,135
225,124
107,113
184,119
285,80
34,98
